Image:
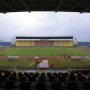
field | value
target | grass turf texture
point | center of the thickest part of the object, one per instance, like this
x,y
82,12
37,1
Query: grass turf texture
x,y
45,51
56,64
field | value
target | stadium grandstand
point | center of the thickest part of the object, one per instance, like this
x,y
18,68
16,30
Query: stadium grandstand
x,y
57,41
18,77
76,80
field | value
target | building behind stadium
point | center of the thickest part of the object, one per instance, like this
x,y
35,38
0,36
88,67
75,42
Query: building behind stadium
x,y
58,41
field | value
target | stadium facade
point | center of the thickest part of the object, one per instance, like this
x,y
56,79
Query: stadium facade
x,y
25,41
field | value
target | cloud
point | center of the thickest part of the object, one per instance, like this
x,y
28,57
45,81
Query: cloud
x,y
45,24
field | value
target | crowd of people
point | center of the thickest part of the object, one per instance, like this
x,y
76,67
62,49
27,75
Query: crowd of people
x,y
11,80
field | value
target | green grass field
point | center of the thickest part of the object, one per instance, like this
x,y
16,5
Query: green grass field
x,y
44,52
56,64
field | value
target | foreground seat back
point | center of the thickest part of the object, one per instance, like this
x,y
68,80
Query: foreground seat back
x,y
9,85
40,85
25,85
86,85
56,85
72,85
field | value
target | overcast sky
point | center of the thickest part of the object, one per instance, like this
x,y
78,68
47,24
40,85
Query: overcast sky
x,y
45,24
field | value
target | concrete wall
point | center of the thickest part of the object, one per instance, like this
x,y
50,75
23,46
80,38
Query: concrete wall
x,y
64,43
68,43
25,43
58,43
24,58
27,58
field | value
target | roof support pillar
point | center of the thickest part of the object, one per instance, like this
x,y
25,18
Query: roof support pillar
x,y
60,3
9,5
75,4
25,5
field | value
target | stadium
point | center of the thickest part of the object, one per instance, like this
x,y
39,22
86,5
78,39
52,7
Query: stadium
x,y
44,62
44,41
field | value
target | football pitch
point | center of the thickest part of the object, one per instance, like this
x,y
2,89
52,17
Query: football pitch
x,y
57,64
46,51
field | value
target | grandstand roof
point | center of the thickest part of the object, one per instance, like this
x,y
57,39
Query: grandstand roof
x,y
63,37
44,5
